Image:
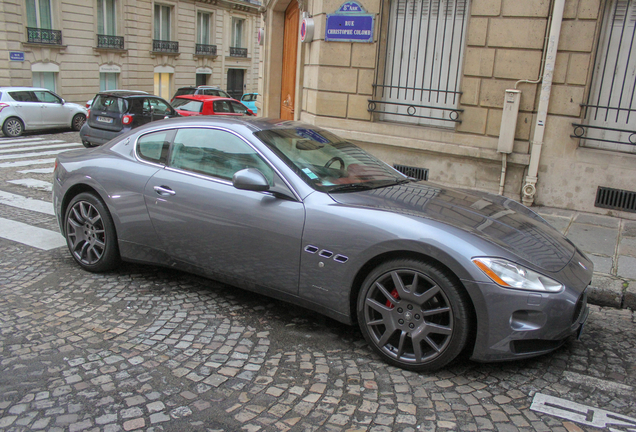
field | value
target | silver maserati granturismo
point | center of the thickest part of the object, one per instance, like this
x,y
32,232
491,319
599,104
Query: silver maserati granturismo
x,y
294,212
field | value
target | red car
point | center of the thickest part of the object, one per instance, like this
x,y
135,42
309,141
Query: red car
x,y
194,105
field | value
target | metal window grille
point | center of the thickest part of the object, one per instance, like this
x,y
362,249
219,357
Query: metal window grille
x,y
418,68
610,111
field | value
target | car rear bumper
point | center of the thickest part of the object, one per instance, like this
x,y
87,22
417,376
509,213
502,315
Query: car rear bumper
x,y
515,324
98,136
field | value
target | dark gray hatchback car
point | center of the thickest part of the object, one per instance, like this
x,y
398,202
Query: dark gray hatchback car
x,y
295,212
113,113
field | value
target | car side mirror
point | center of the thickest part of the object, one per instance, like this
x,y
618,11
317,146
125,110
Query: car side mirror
x,y
250,179
250,112
62,101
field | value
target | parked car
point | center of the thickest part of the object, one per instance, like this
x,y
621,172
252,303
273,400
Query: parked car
x,y
209,105
90,101
31,108
249,100
200,90
295,212
115,112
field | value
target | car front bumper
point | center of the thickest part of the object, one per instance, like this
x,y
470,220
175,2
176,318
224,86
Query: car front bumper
x,y
515,324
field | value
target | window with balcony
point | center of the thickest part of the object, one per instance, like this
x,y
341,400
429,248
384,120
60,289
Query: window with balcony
x,y
204,29
162,30
237,41
40,23
107,25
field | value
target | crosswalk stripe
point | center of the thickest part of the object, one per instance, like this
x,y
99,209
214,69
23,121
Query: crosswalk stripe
x,y
29,235
33,183
11,140
26,155
38,171
27,144
22,202
38,147
27,163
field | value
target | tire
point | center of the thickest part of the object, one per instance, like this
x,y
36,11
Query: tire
x,y
78,121
13,127
90,233
414,315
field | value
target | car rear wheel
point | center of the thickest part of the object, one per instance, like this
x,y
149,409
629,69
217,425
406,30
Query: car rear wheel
x,y
90,233
13,127
414,314
78,121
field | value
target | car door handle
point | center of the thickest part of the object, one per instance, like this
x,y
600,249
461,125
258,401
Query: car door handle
x,y
164,190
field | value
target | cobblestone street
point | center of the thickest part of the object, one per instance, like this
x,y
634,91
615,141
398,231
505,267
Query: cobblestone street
x,y
145,348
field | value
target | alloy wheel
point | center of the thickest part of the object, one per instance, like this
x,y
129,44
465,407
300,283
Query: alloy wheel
x,y
86,233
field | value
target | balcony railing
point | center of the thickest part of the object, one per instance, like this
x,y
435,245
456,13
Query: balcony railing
x,y
112,42
44,36
205,50
165,46
238,52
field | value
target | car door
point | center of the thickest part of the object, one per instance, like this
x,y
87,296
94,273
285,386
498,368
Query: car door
x,y
28,108
203,220
159,109
53,111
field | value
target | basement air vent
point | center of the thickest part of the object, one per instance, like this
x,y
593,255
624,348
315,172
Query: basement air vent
x,y
616,199
418,173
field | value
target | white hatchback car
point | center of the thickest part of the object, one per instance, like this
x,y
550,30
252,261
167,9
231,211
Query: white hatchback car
x,y
30,108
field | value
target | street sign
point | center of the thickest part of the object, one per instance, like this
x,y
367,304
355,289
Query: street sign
x,y
349,24
16,56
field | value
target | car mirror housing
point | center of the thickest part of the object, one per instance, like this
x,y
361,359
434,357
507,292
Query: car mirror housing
x,y
250,179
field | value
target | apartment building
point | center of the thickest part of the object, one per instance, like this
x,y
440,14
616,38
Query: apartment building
x,y
77,48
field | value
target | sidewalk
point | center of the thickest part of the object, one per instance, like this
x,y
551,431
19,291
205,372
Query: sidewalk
x,y
610,242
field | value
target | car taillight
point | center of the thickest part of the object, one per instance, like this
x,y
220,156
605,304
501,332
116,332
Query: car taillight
x,y
127,119
88,113
55,168
3,106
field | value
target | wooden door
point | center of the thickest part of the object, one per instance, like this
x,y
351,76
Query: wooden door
x,y
290,47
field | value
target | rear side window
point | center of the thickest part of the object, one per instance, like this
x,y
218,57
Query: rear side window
x,y
109,104
23,96
184,91
249,97
154,146
222,107
187,105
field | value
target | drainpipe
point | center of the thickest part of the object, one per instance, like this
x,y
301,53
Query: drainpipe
x,y
529,189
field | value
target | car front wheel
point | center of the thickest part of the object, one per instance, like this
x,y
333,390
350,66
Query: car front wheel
x,y
78,121
413,314
90,233
13,127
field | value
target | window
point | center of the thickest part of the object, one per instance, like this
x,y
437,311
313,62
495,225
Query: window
x,y
23,96
162,22
157,106
47,97
44,79
163,84
203,28
187,105
238,108
108,81
222,107
106,17
418,78
201,79
215,153
39,14
237,32
154,147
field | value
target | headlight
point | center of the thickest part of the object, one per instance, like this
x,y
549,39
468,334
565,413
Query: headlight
x,y
511,275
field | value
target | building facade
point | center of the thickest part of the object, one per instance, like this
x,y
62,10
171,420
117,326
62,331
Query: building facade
x,y
77,48
429,91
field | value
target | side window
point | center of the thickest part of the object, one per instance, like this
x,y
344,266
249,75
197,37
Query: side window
x,y
159,107
239,108
221,107
23,96
215,153
47,97
154,146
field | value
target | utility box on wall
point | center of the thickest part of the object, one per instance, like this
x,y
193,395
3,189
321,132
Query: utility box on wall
x,y
509,121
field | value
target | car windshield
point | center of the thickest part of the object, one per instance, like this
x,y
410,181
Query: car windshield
x,y
249,97
109,104
328,163
187,105
184,91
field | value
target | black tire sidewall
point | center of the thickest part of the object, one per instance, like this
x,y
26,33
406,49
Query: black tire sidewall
x,y
4,127
457,298
110,258
73,121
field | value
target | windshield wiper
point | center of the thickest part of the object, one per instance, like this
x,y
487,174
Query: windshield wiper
x,y
354,187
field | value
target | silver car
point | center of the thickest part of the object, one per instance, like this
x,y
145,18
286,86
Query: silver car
x,y
31,108
297,213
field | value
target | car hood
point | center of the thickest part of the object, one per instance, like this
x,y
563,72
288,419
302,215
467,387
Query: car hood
x,y
497,219
75,106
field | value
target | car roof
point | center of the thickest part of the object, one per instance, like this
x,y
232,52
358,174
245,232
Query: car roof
x,y
23,89
125,93
254,124
205,97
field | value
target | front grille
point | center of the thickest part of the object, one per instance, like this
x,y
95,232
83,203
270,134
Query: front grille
x,y
415,172
616,199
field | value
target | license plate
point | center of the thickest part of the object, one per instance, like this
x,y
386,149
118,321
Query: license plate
x,y
104,119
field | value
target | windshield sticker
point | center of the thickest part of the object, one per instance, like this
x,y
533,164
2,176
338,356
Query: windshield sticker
x,y
310,173
312,135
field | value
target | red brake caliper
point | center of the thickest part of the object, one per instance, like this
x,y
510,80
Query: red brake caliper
x,y
395,295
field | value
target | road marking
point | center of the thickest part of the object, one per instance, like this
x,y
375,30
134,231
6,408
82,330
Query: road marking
x,y
26,155
9,140
27,163
33,183
39,147
17,147
29,235
583,414
25,203
38,171
599,383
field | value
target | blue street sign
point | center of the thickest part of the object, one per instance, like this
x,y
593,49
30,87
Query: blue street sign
x,y
349,24
16,56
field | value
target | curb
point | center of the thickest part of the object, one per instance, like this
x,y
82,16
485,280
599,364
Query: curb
x,y
612,292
